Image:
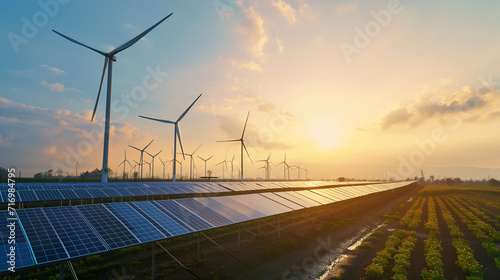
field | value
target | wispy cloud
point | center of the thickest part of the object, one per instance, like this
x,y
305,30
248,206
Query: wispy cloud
x,y
286,10
54,69
58,87
280,45
252,27
248,65
346,7
468,103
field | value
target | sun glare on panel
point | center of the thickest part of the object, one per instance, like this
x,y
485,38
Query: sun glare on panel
x,y
325,131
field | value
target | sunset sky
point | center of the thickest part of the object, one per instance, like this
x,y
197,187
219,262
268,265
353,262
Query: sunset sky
x,y
346,88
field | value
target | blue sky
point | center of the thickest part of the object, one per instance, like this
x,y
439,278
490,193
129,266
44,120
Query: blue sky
x,y
431,66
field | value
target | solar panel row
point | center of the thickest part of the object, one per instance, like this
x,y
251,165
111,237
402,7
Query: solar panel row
x,y
29,192
51,234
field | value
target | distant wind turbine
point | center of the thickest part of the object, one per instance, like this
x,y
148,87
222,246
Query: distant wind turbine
x,y
123,162
153,162
205,160
191,162
268,174
109,57
224,163
140,163
286,167
232,167
177,132
242,145
148,163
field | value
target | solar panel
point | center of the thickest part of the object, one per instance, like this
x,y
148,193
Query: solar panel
x,y
69,194
25,195
265,205
282,201
76,235
44,241
158,216
222,209
22,252
205,213
114,233
182,215
97,193
140,227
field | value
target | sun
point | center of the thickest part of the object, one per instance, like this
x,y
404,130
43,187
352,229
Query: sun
x,y
325,131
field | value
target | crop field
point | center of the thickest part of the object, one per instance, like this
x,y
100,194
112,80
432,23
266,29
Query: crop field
x,y
442,233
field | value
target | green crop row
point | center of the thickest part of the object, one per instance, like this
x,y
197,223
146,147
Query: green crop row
x,y
465,256
381,260
432,246
402,258
412,217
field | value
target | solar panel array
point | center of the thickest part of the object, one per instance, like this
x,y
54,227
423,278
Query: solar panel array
x,y
30,192
52,234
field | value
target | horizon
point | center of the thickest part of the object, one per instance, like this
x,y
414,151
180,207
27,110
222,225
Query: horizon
x,y
346,89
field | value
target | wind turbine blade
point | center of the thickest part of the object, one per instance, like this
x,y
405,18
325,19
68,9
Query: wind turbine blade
x,y
158,120
201,158
129,163
196,149
235,140
162,161
149,154
106,62
121,163
148,145
135,148
185,112
180,141
136,38
269,156
210,157
137,162
157,153
233,158
242,143
245,127
81,44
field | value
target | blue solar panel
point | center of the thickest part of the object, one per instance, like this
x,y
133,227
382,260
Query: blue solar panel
x,y
74,232
222,209
27,195
205,213
44,241
69,194
152,221
111,192
96,193
182,215
137,192
110,228
124,192
81,193
165,221
49,195
23,256
139,226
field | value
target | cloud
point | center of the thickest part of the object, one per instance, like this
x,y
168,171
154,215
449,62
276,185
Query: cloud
x,y
468,104
305,10
345,8
54,69
280,45
38,139
58,87
286,10
252,27
248,65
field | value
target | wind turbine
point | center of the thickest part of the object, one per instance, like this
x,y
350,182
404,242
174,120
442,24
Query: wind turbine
x,y
232,167
177,132
205,160
142,153
191,162
123,162
285,168
109,57
153,161
148,163
268,175
224,162
162,162
242,145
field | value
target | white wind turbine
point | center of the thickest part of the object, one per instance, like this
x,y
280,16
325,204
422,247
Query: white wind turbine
x,y
123,162
148,163
286,167
205,160
153,162
224,163
109,57
242,145
232,169
177,132
140,163
191,162
268,170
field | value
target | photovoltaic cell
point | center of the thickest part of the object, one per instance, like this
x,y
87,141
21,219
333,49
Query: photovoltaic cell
x,y
205,213
44,241
74,232
96,193
242,208
22,252
136,223
223,210
114,233
182,215
161,218
69,194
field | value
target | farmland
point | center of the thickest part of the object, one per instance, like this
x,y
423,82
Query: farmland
x,y
444,233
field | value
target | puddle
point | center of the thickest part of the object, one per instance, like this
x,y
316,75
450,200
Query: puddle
x,y
348,245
